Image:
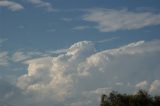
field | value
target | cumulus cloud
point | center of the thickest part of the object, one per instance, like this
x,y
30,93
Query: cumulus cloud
x,y
142,85
3,58
10,95
113,20
79,75
155,87
14,6
42,4
56,72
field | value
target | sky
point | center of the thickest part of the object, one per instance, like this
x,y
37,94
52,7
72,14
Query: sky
x,y
69,53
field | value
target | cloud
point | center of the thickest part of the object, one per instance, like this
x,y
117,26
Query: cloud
x,y
2,40
57,81
108,20
66,19
107,40
3,58
11,95
81,73
42,4
11,5
22,56
155,87
59,51
51,30
142,85
19,56
79,28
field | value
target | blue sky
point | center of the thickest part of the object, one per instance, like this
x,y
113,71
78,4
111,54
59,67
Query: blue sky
x,y
44,38
22,28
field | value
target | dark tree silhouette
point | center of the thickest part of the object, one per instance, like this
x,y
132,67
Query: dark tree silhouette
x,y
141,98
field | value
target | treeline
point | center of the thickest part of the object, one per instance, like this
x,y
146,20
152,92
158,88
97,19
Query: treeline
x,y
141,98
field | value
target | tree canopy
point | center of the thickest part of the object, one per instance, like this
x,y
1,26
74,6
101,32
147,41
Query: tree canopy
x,y
141,98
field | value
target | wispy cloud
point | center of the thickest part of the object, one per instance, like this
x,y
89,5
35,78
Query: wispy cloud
x,y
66,19
112,20
80,28
14,6
51,30
20,56
107,40
59,51
4,58
2,40
42,4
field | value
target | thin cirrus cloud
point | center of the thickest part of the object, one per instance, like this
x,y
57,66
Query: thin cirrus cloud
x,y
109,20
20,56
81,74
4,58
80,28
13,6
42,4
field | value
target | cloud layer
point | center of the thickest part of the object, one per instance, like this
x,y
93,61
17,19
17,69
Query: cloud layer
x,y
82,74
112,20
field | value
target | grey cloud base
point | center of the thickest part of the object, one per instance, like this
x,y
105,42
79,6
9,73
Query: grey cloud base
x,y
79,76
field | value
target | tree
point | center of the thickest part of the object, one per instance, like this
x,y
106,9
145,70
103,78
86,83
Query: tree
x,y
141,98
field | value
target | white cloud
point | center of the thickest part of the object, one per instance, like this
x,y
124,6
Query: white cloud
x,y
69,77
155,87
42,4
57,80
142,85
113,20
11,5
3,58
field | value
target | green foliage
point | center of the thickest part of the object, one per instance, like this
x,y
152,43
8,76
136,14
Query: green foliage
x,y
141,98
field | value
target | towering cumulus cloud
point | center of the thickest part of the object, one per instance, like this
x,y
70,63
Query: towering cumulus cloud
x,y
78,76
